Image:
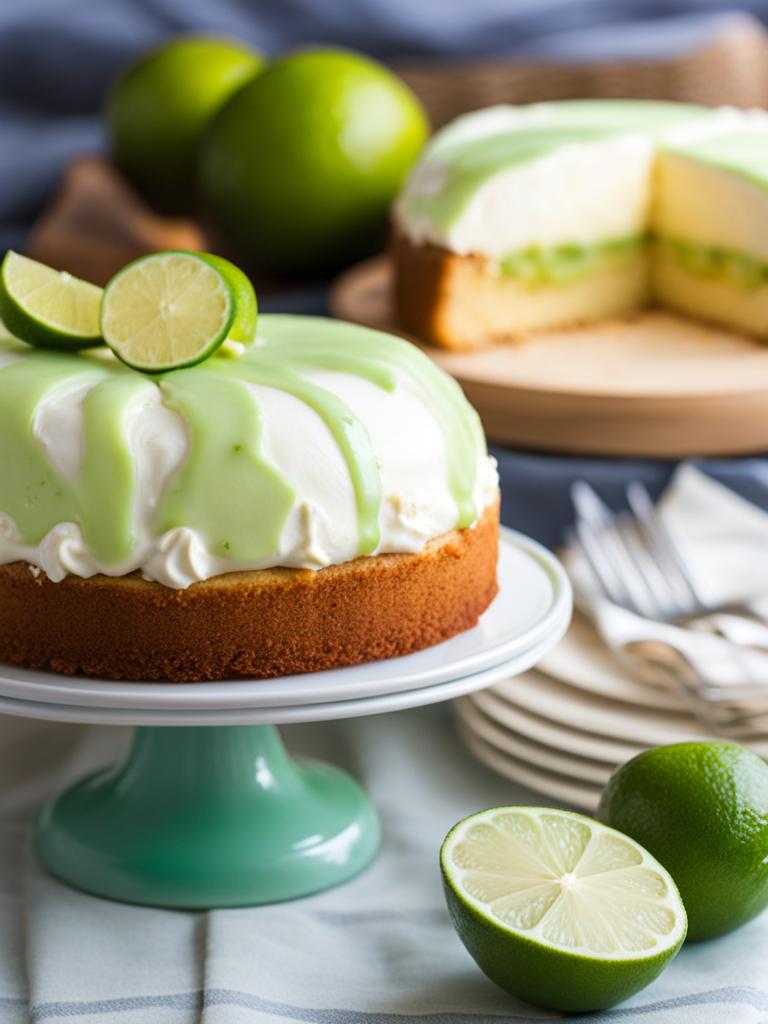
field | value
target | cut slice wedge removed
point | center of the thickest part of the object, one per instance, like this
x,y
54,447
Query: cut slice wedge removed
x,y
558,909
46,307
176,308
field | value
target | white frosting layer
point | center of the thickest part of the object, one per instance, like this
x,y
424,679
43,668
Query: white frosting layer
x,y
588,192
321,528
585,191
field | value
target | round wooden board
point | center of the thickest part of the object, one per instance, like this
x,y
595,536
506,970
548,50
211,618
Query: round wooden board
x,y
654,386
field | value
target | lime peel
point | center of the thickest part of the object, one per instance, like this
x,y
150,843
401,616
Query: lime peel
x,y
558,909
716,792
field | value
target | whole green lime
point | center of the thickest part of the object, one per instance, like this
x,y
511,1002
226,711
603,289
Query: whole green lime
x,y
159,108
300,166
702,811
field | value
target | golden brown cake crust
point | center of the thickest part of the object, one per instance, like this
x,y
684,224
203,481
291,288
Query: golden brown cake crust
x,y
423,280
261,624
464,303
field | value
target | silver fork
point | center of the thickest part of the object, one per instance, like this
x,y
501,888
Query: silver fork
x,y
637,565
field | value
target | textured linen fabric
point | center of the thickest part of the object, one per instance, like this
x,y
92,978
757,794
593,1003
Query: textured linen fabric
x,y
378,950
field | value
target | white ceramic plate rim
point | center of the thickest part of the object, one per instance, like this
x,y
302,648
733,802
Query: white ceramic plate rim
x,y
527,750
427,668
577,794
556,735
555,702
320,712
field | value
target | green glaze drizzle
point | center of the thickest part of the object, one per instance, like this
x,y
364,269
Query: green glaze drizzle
x,y
377,356
227,490
348,432
107,484
32,492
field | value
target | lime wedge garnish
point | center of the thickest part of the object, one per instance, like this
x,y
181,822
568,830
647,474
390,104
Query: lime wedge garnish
x,y
559,909
45,307
174,309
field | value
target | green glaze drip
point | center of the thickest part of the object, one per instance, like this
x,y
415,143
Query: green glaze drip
x,y
538,266
32,492
107,483
348,432
375,355
226,489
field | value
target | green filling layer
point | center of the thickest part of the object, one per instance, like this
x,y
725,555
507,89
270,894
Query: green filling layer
x,y
538,266
541,266
711,261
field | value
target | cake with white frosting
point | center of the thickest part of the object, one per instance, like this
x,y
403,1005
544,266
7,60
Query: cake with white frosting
x,y
519,219
323,498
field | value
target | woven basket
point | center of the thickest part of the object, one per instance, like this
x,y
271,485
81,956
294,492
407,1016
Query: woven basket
x,y
730,70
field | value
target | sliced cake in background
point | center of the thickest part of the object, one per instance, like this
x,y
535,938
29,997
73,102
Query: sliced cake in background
x,y
519,219
710,221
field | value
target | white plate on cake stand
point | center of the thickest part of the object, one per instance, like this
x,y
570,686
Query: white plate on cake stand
x,y
67,708
533,604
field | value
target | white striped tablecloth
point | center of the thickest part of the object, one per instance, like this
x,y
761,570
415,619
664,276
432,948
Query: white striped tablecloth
x,y
379,950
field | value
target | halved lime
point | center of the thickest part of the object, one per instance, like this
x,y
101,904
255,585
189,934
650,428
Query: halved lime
x,y
174,309
46,307
559,909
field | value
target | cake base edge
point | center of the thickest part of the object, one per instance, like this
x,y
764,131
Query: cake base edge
x,y
264,624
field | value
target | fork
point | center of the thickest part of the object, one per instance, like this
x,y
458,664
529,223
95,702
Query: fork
x,y
637,565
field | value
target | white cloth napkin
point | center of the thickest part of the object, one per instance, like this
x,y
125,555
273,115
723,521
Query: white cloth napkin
x,y
379,950
724,539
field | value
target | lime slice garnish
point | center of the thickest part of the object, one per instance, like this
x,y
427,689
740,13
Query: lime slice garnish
x,y
174,309
559,909
46,307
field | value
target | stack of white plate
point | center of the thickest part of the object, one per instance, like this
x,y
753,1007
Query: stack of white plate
x,y
562,729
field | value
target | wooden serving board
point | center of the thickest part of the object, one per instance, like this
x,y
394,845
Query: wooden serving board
x,y
654,386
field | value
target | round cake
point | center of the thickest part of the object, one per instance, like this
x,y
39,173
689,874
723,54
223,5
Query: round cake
x,y
518,219
324,498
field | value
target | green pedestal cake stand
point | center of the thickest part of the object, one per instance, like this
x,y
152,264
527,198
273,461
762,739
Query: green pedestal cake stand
x,y
208,810
209,817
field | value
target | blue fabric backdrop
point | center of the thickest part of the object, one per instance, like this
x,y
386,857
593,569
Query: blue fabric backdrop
x,y
58,56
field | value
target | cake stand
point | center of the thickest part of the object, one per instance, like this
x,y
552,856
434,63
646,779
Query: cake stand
x,y
208,809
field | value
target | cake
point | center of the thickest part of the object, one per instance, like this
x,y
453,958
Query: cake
x,y
519,219
324,498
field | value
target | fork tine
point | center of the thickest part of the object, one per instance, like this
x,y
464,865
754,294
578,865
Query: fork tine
x,y
662,543
584,540
590,531
643,565
603,541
